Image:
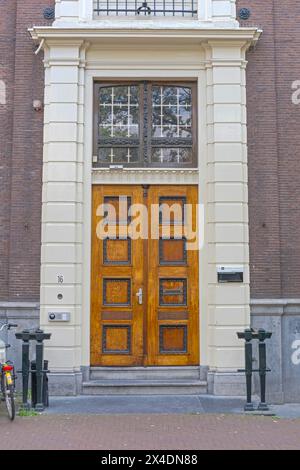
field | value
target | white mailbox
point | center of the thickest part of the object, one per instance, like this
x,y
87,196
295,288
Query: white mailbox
x,y
230,274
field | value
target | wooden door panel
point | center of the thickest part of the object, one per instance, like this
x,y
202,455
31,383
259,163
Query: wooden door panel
x,y
117,274
164,330
172,251
117,251
173,308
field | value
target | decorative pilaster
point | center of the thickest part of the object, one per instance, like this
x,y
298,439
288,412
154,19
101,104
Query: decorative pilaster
x,y
227,208
61,283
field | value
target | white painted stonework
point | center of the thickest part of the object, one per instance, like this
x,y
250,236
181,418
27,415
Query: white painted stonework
x,y
83,50
82,11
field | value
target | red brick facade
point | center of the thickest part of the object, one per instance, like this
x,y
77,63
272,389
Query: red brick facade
x,y
274,149
20,150
273,136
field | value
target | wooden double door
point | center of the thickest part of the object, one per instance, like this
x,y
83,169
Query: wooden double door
x,y
144,280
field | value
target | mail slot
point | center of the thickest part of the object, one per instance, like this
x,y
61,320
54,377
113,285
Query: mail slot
x,y
230,274
172,291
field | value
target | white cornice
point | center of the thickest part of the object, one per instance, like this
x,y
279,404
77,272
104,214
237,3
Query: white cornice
x,y
148,170
248,35
145,175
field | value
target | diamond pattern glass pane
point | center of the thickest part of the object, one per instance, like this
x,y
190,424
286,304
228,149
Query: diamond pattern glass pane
x,y
116,155
171,111
145,124
172,155
118,111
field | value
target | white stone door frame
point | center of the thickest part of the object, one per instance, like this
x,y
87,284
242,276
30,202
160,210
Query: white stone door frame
x,y
217,60
136,176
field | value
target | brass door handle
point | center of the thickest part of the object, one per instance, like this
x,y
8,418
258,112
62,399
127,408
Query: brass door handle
x,y
139,295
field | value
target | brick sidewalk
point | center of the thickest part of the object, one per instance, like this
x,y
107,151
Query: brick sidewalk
x,y
170,432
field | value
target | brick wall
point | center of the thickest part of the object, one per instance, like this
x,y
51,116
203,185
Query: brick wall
x,y
7,59
273,136
20,150
274,149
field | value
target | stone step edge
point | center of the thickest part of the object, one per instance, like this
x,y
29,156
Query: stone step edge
x,y
144,383
138,368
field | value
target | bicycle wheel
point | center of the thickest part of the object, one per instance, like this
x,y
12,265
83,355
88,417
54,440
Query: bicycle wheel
x,y
9,395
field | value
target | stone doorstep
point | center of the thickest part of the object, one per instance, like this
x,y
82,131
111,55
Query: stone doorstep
x,y
165,380
147,373
144,387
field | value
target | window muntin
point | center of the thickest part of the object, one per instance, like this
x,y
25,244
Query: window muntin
x,y
118,113
172,129
118,155
145,124
168,8
171,111
118,126
171,155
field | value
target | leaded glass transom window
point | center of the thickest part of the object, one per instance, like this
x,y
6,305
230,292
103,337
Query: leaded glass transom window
x,y
184,8
145,124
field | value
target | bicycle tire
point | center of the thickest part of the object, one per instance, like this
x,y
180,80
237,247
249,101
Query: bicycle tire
x,y
9,400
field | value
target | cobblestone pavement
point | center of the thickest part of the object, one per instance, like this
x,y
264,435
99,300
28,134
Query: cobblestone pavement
x,y
157,432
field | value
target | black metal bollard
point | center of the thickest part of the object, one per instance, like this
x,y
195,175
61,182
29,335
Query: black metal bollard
x,y
25,337
45,385
40,336
33,383
262,336
45,395
248,335
40,374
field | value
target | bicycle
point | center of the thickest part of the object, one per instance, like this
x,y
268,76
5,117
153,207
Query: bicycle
x,y
7,376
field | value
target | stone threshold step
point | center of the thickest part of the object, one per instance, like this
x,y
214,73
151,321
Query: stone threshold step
x,y
144,382
147,373
112,368
146,387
